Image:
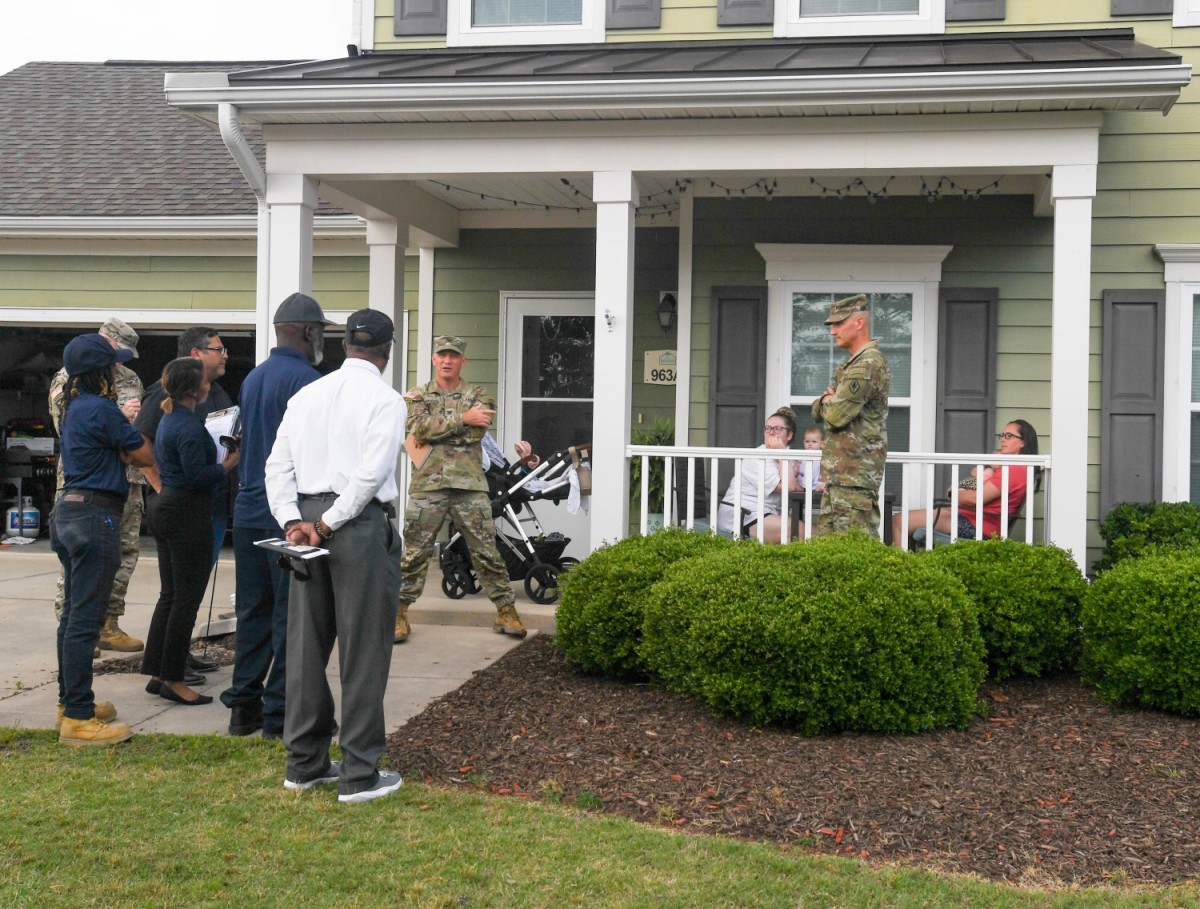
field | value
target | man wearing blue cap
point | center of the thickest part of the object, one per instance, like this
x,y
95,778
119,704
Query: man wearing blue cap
x,y
85,528
256,693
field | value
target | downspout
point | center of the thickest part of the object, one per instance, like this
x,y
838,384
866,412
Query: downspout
x,y
244,157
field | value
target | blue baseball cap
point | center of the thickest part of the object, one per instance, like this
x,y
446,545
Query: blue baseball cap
x,y
88,353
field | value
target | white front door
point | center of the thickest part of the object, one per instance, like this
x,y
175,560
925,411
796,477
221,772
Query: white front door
x,y
547,350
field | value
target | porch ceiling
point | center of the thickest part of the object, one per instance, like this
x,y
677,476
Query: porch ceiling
x,y
972,73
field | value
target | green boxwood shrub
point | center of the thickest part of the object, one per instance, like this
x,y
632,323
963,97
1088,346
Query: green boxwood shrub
x,y
599,619
1141,632
1132,529
839,633
1027,599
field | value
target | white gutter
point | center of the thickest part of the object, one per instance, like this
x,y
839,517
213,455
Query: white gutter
x,y
243,156
166,227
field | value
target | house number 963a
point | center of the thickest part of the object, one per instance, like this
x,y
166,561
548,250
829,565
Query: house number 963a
x,y
662,375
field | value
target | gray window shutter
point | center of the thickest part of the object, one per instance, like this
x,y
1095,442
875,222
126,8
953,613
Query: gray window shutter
x,y
420,17
1131,411
964,10
745,12
1143,7
737,381
633,13
966,375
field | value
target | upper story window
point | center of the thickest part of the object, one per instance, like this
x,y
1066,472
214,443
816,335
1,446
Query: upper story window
x,y
1187,12
476,23
848,18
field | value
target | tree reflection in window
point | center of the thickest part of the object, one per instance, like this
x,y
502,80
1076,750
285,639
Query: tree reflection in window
x,y
559,358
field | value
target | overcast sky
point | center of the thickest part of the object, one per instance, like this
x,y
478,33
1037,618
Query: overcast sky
x,y
92,30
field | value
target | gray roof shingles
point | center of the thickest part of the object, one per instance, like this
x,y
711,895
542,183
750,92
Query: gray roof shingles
x,y
99,140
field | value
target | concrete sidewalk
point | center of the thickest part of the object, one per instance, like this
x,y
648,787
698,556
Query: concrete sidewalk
x,y
451,640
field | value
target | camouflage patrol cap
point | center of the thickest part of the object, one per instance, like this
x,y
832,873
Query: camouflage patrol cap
x,y
844,309
116,330
450,342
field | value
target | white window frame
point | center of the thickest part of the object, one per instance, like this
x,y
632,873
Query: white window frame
x,y
1187,12
850,270
930,19
1181,275
461,33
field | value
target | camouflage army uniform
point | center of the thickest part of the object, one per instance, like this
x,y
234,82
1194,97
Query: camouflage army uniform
x,y
450,482
127,387
855,449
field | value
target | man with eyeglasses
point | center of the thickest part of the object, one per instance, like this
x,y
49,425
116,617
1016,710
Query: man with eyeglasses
x,y
204,344
854,411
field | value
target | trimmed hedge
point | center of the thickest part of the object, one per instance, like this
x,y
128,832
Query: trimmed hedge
x,y
599,620
1141,632
839,633
1027,599
1133,529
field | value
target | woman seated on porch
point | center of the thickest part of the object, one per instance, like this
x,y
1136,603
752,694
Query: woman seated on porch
x,y
777,434
1018,438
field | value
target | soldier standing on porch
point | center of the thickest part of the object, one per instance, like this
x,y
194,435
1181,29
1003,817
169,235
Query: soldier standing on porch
x,y
127,389
854,410
451,417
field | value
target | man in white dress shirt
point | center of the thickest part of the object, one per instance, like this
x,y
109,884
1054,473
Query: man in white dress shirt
x,y
331,483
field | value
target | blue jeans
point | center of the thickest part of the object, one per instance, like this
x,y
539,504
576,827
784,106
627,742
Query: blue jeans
x,y
87,540
262,608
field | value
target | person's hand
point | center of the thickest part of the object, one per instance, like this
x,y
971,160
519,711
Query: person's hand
x,y
479,416
525,454
303,533
820,487
776,441
131,409
232,456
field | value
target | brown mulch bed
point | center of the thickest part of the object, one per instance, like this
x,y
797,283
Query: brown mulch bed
x,y
1053,787
218,650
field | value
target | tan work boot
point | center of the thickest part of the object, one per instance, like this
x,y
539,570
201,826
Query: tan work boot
x,y
105,713
402,628
113,638
508,622
93,732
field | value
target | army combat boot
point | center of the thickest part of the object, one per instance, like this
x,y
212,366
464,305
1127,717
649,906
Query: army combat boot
x,y
508,622
113,638
402,628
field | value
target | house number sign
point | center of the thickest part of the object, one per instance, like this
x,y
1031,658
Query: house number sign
x,y
660,367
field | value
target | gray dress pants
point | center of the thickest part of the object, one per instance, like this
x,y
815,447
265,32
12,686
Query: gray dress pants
x,y
351,596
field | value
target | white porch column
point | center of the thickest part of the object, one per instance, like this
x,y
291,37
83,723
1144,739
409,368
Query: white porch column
x,y
386,240
683,324
1074,187
422,364
291,201
616,197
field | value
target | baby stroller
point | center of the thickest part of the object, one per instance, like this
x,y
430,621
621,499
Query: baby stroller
x,y
537,558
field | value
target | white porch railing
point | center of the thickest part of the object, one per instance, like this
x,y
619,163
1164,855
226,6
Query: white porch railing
x,y
909,486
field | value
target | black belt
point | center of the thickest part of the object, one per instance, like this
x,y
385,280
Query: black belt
x,y
110,500
387,507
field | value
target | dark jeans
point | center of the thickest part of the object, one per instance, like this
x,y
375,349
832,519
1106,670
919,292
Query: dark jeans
x,y
183,535
87,540
262,607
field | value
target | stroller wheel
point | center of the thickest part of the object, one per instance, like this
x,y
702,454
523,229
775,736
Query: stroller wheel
x,y
452,588
541,584
566,563
472,583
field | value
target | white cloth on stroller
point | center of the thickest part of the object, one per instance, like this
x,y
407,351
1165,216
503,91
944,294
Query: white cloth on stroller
x,y
575,501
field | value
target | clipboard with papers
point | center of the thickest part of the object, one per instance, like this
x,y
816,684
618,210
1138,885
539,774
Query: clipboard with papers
x,y
291,550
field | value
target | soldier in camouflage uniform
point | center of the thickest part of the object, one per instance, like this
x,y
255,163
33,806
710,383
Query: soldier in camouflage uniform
x,y
451,416
854,410
128,391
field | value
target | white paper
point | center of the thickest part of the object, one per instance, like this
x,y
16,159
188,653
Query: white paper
x,y
220,423
290,549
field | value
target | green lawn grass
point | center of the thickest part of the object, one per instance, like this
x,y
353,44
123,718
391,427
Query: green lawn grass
x,y
199,821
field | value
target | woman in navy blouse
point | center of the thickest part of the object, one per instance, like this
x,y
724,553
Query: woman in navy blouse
x,y
182,526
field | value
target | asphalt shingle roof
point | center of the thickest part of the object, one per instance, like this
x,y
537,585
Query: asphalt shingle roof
x,y
99,140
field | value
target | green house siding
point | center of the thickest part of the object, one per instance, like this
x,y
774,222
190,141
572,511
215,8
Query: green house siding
x,y
201,283
469,279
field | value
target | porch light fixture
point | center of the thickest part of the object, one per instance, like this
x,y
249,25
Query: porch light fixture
x,y
667,309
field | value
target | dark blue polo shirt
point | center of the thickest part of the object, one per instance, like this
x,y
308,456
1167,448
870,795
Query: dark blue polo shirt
x,y
186,453
264,398
93,432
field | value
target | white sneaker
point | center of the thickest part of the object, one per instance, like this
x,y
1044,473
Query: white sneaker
x,y
328,777
389,781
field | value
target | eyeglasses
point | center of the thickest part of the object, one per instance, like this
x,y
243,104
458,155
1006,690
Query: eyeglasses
x,y
217,350
1005,436
774,430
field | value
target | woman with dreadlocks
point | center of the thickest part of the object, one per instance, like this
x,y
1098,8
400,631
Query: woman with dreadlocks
x,y
85,529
